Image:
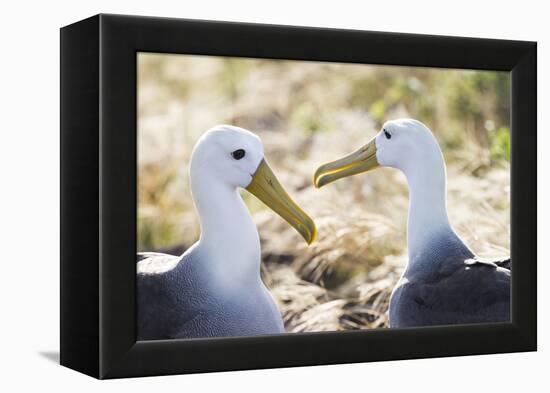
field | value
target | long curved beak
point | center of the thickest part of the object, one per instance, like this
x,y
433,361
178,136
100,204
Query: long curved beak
x,y
266,188
360,161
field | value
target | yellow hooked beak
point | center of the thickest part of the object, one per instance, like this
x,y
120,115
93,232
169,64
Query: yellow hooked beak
x,y
360,161
267,189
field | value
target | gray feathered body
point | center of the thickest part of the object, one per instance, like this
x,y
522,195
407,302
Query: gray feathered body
x,y
186,302
446,284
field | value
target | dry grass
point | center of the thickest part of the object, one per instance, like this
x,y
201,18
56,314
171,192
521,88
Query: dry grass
x,y
304,117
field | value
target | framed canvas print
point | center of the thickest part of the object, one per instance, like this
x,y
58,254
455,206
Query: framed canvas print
x,y
239,196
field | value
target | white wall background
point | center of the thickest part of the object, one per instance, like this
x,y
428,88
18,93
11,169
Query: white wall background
x,y
29,193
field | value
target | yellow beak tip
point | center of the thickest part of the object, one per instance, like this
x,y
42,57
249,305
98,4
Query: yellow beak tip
x,y
313,237
318,179
309,231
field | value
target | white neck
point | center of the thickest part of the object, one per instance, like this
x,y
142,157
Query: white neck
x,y
427,218
229,237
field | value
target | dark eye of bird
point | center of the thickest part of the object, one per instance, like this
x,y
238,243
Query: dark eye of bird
x,y
238,154
387,134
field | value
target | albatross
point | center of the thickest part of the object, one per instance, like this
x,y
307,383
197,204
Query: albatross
x,y
444,282
214,289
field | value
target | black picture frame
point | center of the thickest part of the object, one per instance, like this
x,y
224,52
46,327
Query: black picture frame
x,y
98,195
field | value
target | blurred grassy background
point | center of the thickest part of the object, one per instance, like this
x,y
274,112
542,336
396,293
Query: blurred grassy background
x,y
306,114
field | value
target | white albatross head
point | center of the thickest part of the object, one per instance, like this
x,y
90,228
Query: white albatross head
x,y
404,144
407,145
233,158
228,154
